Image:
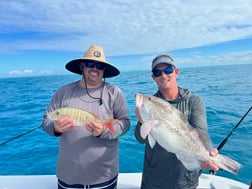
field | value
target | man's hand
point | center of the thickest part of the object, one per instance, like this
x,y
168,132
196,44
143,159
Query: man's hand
x,y
63,124
95,128
210,165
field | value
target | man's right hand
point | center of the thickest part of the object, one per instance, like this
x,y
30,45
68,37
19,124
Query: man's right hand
x,y
63,124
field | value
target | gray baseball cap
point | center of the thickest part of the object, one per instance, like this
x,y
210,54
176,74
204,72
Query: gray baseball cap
x,y
162,59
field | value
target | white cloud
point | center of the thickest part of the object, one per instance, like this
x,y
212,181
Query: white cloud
x,y
243,57
123,27
21,72
29,72
46,72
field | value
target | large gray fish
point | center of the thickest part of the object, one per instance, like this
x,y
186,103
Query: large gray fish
x,y
167,126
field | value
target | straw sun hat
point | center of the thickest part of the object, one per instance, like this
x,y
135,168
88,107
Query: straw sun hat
x,y
94,54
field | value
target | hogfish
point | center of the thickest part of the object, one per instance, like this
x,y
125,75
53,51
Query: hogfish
x,y
167,126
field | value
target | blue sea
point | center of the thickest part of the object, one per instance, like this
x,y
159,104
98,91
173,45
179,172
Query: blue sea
x,y
226,91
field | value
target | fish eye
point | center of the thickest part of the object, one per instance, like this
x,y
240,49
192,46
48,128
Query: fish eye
x,y
57,113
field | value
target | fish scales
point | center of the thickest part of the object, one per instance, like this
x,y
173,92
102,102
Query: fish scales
x,y
79,116
177,139
166,125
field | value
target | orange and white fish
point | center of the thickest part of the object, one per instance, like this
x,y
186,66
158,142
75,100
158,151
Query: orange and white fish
x,y
80,117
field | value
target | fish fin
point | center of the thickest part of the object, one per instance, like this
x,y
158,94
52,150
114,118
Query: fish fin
x,y
151,141
145,129
108,123
226,163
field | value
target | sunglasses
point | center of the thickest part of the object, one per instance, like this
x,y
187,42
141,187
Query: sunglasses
x,y
99,66
167,70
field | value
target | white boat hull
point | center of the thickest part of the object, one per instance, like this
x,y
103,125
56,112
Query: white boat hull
x,y
125,181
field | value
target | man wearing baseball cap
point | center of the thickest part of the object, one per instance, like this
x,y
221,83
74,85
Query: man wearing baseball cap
x,y
162,169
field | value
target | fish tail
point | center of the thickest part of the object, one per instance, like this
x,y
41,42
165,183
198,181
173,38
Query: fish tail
x,y
227,164
109,124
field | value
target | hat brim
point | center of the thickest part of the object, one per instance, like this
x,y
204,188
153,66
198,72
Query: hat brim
x,y
74,66
162,63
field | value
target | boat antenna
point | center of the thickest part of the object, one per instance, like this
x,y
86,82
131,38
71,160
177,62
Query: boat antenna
x,y
230,133
22,134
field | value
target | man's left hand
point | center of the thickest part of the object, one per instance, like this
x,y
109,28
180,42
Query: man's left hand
x,y
210,165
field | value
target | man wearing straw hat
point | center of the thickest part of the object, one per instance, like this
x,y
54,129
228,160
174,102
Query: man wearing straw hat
x,y
88,156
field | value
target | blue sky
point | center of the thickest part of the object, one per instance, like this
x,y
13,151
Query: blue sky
x,y
39,37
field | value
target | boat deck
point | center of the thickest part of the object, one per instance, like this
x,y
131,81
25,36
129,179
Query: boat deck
x,y
125,181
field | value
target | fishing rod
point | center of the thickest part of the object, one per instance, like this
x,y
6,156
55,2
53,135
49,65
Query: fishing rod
x,y
230,133
22,134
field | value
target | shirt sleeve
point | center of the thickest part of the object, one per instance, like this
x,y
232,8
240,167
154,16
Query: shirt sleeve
x,y
47,124
198,113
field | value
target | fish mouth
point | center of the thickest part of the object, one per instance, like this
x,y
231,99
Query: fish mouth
x,y
139,100
139,105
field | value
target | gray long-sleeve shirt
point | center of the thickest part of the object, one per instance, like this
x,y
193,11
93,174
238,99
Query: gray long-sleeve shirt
x,y
162,169
82,157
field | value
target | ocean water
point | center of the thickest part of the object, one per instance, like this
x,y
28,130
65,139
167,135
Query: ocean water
x,y
226,91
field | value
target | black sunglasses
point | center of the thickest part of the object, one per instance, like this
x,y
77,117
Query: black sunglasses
x,y
98,65
167,70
